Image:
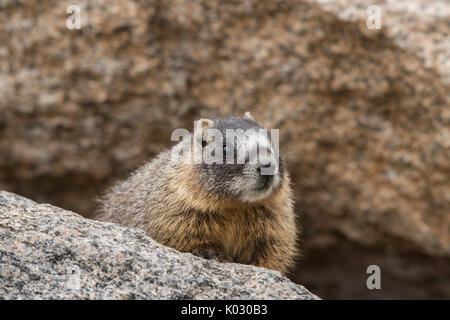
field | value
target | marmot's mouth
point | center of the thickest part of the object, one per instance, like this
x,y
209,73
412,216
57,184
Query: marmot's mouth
x,y
264,182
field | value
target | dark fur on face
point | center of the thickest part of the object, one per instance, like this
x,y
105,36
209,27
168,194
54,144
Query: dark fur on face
x,y
242,182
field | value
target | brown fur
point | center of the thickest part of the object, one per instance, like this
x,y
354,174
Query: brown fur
x,y
167,201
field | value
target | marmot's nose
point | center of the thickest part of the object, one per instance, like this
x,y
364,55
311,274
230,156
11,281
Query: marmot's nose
x,y
261,166
265,177
264,169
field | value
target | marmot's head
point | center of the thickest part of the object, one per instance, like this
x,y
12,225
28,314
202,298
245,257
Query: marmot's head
x,y
250,169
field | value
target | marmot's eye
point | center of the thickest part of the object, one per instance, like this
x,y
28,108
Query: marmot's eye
x,y
204,143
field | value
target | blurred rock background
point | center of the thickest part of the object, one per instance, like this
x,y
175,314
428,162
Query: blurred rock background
x,y
363,114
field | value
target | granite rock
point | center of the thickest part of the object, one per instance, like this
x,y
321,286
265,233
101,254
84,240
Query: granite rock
x,y
419,26
50,253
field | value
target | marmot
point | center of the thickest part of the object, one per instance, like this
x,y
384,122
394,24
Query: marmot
x,y
227,211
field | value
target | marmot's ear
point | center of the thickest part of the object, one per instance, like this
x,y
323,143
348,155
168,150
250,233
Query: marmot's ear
x,y
248,116
200,128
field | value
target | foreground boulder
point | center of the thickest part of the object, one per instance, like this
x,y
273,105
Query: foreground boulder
x,y
50,253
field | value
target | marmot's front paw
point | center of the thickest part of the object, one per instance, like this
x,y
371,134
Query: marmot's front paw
x,y
211,254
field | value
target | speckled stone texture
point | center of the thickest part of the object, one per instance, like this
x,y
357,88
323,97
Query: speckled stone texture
x,y
363,114
420,26
50,253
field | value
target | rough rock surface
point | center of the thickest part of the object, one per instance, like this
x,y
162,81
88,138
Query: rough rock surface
x,y
50,253
416,25
363,114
